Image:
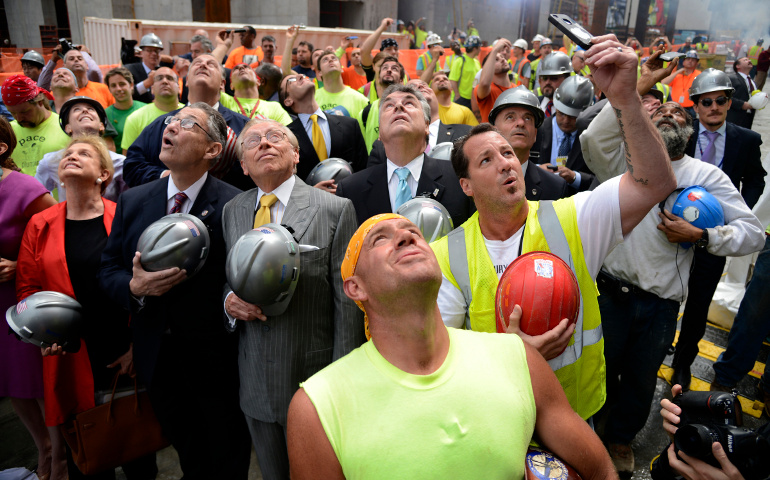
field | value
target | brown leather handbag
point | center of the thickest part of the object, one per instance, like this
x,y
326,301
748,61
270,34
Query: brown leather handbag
x,y
115,433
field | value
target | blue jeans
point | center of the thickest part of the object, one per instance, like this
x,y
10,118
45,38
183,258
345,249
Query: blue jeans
x,y
751,326
639,328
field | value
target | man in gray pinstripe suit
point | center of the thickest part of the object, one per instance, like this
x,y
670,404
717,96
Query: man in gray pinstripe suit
x,y
321,324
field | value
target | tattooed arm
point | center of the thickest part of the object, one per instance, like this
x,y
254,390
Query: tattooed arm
x,y
649,178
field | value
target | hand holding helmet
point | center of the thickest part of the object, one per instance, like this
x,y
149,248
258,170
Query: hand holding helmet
x,y
51,320
551,343
758,100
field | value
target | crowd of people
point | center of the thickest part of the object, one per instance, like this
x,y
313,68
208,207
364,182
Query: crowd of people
x,y
577,152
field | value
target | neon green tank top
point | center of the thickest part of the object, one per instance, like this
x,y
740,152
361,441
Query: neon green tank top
x,y
457,422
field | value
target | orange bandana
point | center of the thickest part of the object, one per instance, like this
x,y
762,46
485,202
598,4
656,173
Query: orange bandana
x,y
354,250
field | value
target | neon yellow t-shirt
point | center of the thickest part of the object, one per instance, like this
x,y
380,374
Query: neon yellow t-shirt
x,y
472,66
455,113
457,422
33,143
136,122
271,110
348,102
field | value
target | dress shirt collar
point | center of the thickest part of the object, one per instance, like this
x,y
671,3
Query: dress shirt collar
x,y
283,192
722,129
192,191
415,167
305,117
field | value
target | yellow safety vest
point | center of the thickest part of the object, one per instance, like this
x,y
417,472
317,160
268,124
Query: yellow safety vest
x,y
754,54
427,58
550,227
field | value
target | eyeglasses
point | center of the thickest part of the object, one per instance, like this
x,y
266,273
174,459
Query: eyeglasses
x,y
187,124
707,102
273,136
289,80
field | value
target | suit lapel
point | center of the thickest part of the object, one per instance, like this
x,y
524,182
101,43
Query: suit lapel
x,y
156,202
299,213
429,179
690,150
205,204
377,196
336,134
306,149
532,183
732,149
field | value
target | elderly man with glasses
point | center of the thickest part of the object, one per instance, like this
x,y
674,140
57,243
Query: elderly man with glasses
x,y
320,324
181,352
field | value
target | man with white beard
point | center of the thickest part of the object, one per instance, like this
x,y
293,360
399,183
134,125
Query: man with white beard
x,y
643,281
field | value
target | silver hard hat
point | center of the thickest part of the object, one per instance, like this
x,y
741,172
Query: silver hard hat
x,y
574,95
45,318
330,169
430,216
442,151
521,43
151,40
692,54
518,97
433,39
263,268
176,240
33,57
556,63
711,80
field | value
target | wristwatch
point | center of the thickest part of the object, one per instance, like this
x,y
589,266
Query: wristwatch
x,y
703,241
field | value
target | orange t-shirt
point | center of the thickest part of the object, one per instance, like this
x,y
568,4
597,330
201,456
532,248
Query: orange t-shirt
x,y
352,79
243,55
680,88
486,103
99,92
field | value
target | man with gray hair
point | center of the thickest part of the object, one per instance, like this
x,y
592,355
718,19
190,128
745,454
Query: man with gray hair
x,y
171,312
320,324
404,119
644,280
205,81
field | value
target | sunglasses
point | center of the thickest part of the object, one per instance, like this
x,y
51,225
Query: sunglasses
x,y
707,102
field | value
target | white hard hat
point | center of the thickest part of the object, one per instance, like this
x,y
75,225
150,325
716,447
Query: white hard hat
x,y
521,43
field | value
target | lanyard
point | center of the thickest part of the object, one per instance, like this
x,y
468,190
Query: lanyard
x,y
256,105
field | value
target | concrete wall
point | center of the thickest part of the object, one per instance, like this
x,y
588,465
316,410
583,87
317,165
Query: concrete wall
x,y
24,19
77,9
364,14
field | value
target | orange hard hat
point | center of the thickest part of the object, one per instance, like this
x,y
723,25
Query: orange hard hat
x,y
546,289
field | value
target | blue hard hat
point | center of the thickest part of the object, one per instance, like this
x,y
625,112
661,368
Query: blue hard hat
x,y
697,206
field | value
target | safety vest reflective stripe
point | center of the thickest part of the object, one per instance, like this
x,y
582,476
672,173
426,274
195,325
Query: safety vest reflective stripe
x,y
458,263
754,54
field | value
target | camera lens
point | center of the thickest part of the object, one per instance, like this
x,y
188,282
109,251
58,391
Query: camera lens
x,y
695,440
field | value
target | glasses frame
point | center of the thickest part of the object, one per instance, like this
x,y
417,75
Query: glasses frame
x,y
721,101
187,121
259,137
289,80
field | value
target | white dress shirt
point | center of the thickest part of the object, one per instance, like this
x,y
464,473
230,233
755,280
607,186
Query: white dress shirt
x,y
415,169
192,193
433,134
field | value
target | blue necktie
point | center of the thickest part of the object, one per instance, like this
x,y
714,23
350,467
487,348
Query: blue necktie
x,y
564,148
708,155
403,192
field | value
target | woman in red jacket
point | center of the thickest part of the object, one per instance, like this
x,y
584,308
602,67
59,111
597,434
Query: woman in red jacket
x,y
61,251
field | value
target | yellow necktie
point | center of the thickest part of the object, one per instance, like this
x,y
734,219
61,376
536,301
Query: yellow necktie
x,y
263,214
318,139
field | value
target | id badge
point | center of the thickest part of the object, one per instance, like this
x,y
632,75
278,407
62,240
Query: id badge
x,y
681,99
561,161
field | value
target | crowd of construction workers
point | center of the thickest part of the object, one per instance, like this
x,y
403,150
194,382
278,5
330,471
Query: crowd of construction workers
x,y
521,144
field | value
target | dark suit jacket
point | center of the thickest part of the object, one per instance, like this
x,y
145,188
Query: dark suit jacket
x,y
446,133
137,70
347,144
142,164
736,115
192,310
575,160
368,190
742,162
542,185
320,325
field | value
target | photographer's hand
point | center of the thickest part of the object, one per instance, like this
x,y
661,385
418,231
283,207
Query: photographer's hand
x,y
693,469
670,412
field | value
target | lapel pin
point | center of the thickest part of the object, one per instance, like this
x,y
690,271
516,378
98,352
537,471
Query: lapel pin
x,y
204,213
435,192
534,191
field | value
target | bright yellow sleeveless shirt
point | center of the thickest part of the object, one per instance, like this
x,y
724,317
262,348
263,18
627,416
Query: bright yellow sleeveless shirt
x,y
472,418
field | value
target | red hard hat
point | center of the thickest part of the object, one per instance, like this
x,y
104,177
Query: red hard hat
x,y
545,288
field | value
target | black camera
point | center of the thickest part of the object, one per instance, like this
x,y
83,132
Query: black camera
x,y
709,417
66,46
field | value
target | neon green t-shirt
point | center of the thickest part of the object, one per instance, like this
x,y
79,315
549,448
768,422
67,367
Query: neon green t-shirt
x,y
136,122
471,418
419,37
348,102
118,118
33,143
455,113
472,66
271,110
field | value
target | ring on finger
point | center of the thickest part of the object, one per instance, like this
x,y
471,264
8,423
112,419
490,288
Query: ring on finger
x,y
620,49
